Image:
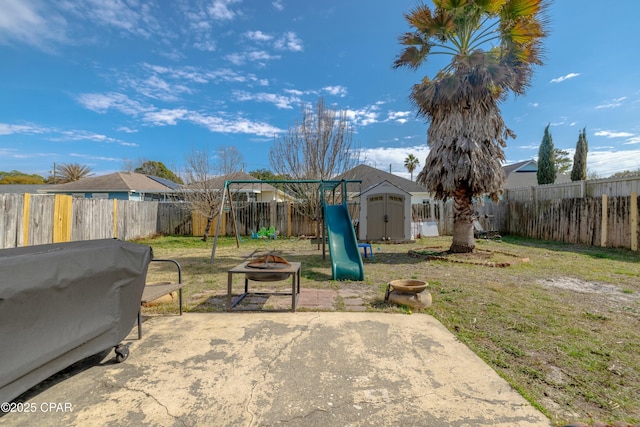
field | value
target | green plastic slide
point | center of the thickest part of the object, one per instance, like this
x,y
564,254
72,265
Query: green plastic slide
x,y
346,263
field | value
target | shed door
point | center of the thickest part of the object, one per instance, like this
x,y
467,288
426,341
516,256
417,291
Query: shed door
x,y
385,217
395,213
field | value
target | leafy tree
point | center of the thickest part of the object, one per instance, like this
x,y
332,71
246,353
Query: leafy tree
x,y
69,172
17,177
494,46
579,171
546,173
155,168
411,163
319,146
562,160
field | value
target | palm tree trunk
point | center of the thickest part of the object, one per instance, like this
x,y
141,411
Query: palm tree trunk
x,y
463,240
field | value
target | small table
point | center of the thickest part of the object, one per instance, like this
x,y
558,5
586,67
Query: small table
x,y
293,270
366,246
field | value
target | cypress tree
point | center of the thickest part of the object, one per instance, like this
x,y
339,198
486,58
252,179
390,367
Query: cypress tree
x,y
579,171
546,160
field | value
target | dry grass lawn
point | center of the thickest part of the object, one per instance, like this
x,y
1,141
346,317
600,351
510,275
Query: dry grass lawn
x,y
560,322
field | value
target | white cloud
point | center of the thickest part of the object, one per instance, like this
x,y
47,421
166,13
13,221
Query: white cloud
x,y
606,163
634,140
205,45
614,103
166,116
101,103
398,116
340,91
83,135
277,100
565,77
289,41
31,23
9,129
132,17
220,9
385,157
258,36
612,134
364,116
259,56
277,4
91,157
126,129
234,125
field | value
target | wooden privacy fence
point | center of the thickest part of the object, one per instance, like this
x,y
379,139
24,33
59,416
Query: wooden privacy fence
x,y
598,221
39,219
288,218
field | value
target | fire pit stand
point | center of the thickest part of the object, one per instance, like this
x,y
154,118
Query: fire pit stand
x,y
275,273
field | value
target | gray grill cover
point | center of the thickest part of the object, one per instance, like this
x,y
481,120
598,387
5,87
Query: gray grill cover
x,y
60,303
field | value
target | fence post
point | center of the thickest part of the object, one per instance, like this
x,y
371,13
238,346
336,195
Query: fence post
x,y
115,218
603,231
62,212
634,221
288,218
26,213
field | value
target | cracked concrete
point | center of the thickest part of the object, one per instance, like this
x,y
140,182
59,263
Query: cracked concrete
x,y
296,369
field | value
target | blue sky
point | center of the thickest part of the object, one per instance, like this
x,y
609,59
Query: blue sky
x,y
99,81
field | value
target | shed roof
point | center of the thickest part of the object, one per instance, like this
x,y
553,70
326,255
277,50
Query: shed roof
x,y
371,176
380,184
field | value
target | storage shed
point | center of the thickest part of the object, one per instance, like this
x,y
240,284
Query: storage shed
x,y
385,213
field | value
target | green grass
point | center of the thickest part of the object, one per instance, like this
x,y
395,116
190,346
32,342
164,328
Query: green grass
x,y
574,354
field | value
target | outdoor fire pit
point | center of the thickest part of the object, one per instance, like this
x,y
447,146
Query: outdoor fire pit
x,y
408,292
268,262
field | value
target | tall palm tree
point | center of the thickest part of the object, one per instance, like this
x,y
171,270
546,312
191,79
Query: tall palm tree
x,y
493,47
68,172
411,163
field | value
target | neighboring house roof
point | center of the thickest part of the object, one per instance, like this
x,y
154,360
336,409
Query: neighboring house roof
x,y
218,182
524,174
165,182
114,182
371,176
22,188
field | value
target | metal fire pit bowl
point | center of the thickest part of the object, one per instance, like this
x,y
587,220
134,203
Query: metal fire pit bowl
x,y
408,286
268,262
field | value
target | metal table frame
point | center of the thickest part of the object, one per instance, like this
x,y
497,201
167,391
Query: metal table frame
x,y
293,270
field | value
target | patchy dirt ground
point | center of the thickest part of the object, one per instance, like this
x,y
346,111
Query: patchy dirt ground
x,y
611,292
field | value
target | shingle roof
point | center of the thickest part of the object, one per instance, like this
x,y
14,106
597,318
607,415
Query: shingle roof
x,y
218,182
22,188
519,176
371,176
114,182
